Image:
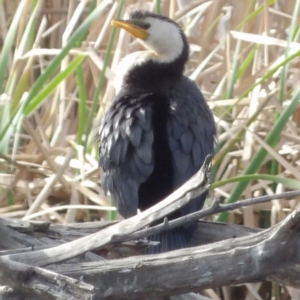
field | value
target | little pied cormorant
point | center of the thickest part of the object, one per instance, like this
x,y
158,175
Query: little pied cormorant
x,y
159,128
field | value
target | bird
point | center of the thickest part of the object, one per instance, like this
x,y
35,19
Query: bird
x,y
158,129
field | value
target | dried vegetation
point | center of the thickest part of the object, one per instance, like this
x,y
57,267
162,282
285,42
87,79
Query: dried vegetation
x,y
58,60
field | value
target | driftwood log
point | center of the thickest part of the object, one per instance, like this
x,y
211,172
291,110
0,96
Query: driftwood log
x,y
43,261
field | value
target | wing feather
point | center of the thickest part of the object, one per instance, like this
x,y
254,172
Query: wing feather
x,y
135,135
192,133
126,146
143,118
186,141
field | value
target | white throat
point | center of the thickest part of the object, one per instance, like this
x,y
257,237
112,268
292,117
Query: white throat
x,y
164,44
164,40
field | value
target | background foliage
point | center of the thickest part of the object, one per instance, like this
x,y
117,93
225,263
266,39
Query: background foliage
x,y
57,65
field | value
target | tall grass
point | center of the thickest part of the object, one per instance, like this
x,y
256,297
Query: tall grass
x,y
58,60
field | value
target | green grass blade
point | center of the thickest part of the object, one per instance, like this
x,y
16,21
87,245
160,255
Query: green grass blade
x,y
23,83
9,42
287,182
254,14
6,51
257,160
52,85
245,64
233,77
12,126
82,103
158,7
101,82
55,63
78,34
222,152
269,74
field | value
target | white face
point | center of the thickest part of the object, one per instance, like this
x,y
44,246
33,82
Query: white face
x,y
164,42
164,39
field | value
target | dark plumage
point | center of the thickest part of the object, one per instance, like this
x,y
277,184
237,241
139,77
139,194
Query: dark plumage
x,y
158,130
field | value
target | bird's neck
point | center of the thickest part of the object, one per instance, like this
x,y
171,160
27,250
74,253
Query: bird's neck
x,y
145,70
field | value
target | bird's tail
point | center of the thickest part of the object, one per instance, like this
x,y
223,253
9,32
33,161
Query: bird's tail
x,y
173,239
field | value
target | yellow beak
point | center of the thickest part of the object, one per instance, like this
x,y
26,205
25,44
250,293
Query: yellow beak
x,y
133,29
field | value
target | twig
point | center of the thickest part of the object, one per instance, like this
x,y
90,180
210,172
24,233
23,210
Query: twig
x,y
247,259
197,185
28,127
27,280
45,192
215,208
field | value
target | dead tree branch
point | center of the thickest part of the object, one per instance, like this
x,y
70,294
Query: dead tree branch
x,y
246,259
214,209
31,282
197,185
245,254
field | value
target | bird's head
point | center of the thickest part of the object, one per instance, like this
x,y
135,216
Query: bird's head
x,y
161,35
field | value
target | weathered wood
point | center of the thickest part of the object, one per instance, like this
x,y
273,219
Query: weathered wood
x,y
22,231
206,231
190,296
247,255
213,209
27,282
27,232
198,184
18,236
12,239
247,259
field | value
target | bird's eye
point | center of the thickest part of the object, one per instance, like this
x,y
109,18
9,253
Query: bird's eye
x,y
141,24
145,25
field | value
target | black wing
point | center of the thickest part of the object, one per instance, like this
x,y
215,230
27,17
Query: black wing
x,y
126,152
192,134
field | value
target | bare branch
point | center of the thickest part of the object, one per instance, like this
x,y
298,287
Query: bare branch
x,y
214,209
246,259
206,233
32,281
197,185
